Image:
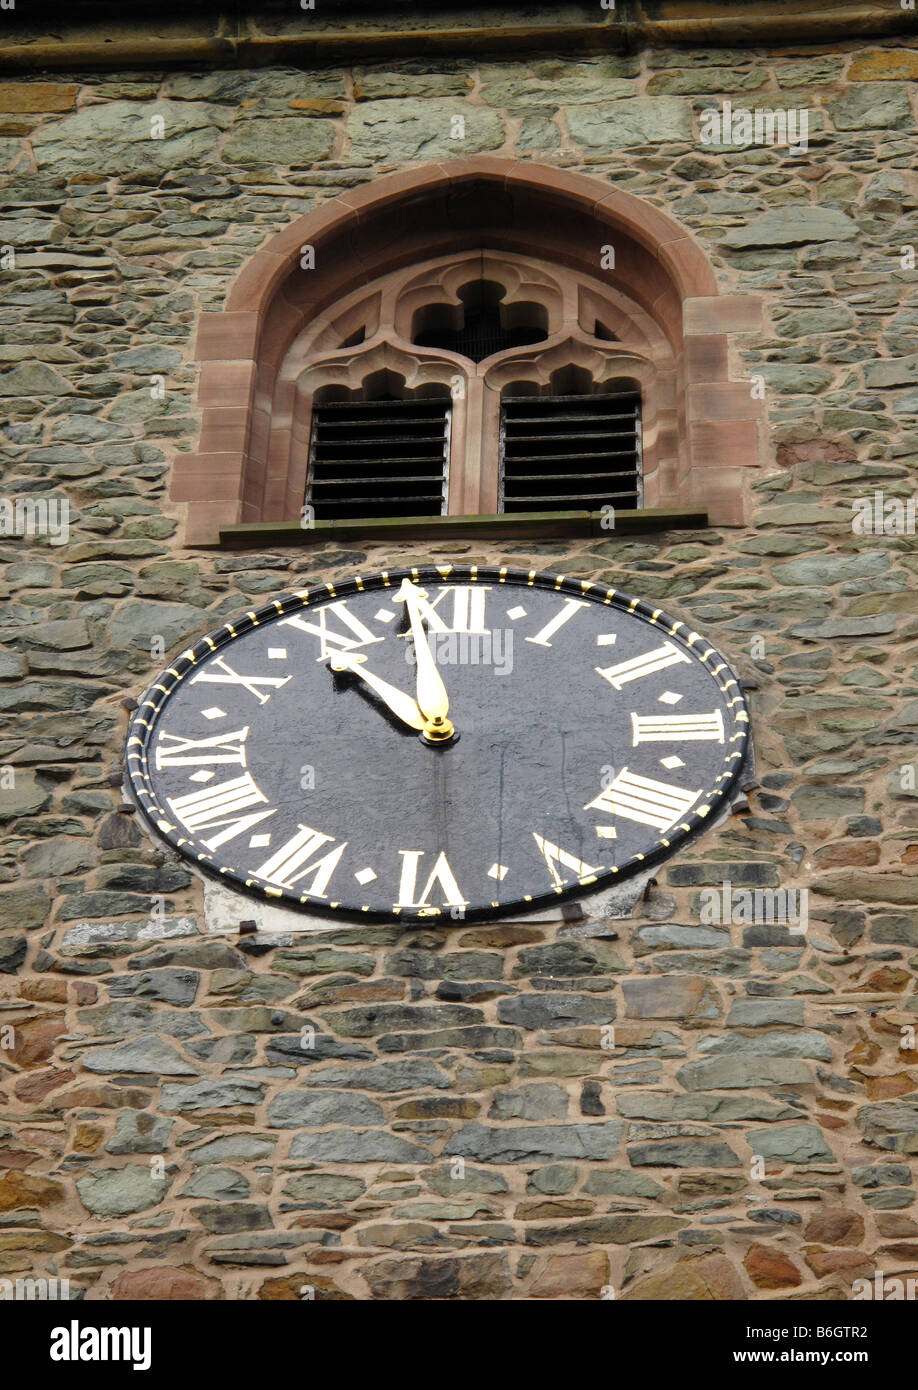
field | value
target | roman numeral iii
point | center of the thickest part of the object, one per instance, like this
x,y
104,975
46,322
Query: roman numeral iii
x,y
643,800
662,728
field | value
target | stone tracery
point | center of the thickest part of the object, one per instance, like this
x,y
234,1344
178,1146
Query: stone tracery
x,y
389,259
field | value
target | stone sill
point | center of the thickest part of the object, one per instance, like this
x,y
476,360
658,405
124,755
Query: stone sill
x,y
250,39
518,526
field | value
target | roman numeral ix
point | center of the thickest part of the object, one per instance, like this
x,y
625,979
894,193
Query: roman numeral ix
x,y
175,751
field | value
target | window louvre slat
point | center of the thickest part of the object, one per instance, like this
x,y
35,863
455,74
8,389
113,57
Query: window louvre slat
x,y
551,449
378,458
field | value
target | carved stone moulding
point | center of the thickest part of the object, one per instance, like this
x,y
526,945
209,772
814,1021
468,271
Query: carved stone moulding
x,y
620,292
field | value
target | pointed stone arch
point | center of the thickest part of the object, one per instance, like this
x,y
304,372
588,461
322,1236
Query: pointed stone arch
x,y
571,220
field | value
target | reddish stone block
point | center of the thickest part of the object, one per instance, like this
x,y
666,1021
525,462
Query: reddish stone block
x,y
207,477
165,1283
730,444
226,383
706,358
722,401
226,336
44,990
729,313
769,1268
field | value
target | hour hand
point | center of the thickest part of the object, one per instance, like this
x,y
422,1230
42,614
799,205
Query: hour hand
x,y
402,706
433,700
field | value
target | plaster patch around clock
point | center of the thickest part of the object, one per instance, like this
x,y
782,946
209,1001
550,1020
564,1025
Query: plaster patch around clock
x,y
225,909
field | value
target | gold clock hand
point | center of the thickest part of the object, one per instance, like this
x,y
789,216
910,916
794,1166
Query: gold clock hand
x,y
398,702
432,698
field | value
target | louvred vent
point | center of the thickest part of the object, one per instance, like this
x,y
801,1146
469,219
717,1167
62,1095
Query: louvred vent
x,y
570,453
379,458
481,335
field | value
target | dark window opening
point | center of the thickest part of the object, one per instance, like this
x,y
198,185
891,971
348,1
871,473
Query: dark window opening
x,y
481,326
570,453
379,458
356,338
606,335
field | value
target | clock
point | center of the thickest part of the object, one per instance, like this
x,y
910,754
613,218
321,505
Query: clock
x,y
442,741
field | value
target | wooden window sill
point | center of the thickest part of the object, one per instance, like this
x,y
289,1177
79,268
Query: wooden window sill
x,y
510,526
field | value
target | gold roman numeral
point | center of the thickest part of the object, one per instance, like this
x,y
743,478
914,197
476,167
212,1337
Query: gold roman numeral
x,y
466,612
249,683
175,751
568,609
331,641
643,800
663,728
555,857
218,806
657,660
292,861
441,874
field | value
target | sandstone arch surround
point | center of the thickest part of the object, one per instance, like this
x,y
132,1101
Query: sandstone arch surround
x,y
707,429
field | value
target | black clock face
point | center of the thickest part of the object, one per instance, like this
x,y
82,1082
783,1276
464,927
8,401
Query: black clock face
x,y
461,741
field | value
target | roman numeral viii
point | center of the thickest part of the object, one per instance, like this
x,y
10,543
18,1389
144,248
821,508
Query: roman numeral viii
x,y
218,807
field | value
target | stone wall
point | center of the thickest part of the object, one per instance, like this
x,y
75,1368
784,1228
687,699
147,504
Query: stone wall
x,y
752,1133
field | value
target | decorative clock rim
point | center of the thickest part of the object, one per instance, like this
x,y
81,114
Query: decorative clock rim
x,y
157,694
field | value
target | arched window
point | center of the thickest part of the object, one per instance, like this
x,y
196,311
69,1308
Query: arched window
x,y
475,339
474,383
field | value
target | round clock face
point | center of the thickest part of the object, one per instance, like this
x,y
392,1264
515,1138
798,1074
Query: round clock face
x,y
461,741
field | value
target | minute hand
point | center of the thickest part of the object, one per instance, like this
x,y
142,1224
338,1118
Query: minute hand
x,y
398,702
433,700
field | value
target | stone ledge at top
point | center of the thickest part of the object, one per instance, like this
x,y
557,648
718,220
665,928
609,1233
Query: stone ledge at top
x,y
251,36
